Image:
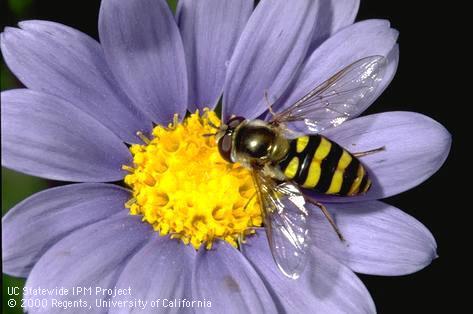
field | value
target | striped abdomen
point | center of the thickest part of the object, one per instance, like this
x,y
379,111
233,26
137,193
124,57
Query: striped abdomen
x,y
314,162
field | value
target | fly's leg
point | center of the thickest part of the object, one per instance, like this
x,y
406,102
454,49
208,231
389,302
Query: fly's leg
x,y
240,241
369,152
209,134
249,201
328,216
268,102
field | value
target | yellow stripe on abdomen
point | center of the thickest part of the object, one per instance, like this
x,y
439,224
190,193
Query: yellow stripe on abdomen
x,y
302,143
356,184
313,175
337,179
292,167
323,149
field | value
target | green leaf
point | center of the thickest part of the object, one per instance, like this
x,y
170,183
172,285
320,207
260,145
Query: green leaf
x,y
11,284
173,5
16,187
19,7
6,78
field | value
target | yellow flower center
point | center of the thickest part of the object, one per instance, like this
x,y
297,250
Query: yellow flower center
x,y
183,187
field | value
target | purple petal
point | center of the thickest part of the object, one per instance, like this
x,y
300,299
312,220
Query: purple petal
x,y
64,62
268,55
415,148
325,286
37,223
363,39
45,136
380,239
144,49
333,15
223,276
210,30
162,269
90,257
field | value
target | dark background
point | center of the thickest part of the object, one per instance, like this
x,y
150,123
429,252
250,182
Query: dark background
x,y
425,83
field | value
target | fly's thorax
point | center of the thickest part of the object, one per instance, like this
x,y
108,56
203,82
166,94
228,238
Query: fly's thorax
x,y
255,142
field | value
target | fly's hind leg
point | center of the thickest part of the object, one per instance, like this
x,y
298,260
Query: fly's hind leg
x,y
328,216
369,152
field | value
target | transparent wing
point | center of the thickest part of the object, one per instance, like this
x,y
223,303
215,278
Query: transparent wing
x,y
286,222
344,95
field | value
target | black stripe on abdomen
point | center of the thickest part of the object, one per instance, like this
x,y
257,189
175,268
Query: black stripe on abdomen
x,y
365,184
349,176
306,156
328,166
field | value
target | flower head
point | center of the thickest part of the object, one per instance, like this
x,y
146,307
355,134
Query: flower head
x,y
86,102
174,175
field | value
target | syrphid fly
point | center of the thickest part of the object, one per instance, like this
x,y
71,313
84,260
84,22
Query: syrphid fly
x,y
282,163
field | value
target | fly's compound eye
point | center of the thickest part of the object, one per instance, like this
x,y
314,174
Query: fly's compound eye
x,y
225,146
225,142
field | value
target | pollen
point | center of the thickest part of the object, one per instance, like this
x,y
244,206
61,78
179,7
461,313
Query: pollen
x,y
183,187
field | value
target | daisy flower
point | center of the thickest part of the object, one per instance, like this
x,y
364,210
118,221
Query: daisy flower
x,y
114,112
